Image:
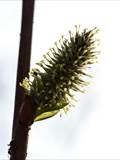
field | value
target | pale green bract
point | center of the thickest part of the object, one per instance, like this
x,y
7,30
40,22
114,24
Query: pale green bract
x,y
60,72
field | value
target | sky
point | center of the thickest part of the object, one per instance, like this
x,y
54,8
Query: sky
x,y
91,129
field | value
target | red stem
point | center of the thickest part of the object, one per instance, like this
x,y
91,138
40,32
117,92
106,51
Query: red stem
x,y
23,114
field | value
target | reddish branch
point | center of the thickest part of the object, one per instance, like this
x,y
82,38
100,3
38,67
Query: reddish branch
x,y
23,112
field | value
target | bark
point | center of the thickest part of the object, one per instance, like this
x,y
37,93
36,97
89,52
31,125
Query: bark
x,y
23,113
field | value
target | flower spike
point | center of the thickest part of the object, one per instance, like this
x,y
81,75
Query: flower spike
x,y
63,69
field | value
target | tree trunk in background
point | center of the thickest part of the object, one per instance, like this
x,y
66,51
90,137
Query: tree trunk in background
x,y
23,114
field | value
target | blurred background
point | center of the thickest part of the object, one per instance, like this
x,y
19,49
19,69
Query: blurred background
x,y
91,129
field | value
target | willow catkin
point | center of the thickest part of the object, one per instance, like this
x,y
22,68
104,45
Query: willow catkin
x,y
61,71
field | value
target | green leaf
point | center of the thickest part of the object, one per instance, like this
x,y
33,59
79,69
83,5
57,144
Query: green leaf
x,y
45,115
